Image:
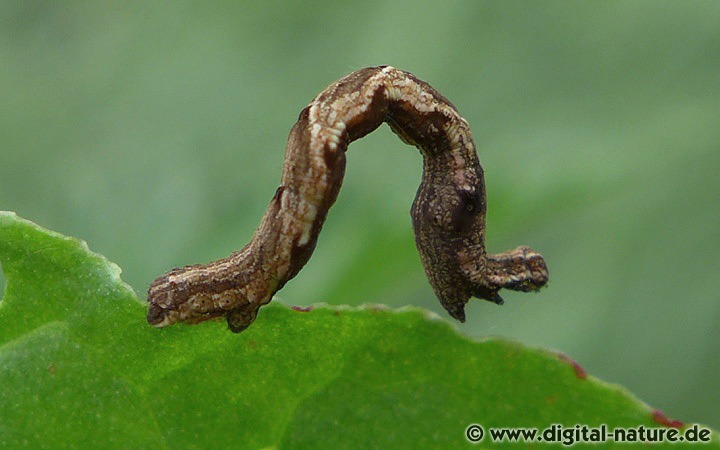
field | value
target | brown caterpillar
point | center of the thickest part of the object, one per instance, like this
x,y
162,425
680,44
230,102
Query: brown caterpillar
x,y
448,213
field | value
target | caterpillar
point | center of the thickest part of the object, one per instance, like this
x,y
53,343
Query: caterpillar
x,y
448,213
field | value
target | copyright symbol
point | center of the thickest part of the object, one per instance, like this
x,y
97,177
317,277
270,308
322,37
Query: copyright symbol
x,y
474,433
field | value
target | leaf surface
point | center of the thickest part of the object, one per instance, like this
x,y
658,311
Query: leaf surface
x,y
80,366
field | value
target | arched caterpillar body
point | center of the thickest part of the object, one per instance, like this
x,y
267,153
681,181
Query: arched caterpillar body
x,y
448,213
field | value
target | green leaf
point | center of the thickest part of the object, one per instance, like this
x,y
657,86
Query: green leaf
x,y
79,366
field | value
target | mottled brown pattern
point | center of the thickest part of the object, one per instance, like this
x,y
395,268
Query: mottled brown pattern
x,y
448,213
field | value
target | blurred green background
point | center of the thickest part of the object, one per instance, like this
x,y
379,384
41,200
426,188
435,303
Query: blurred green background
x,y
156,133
